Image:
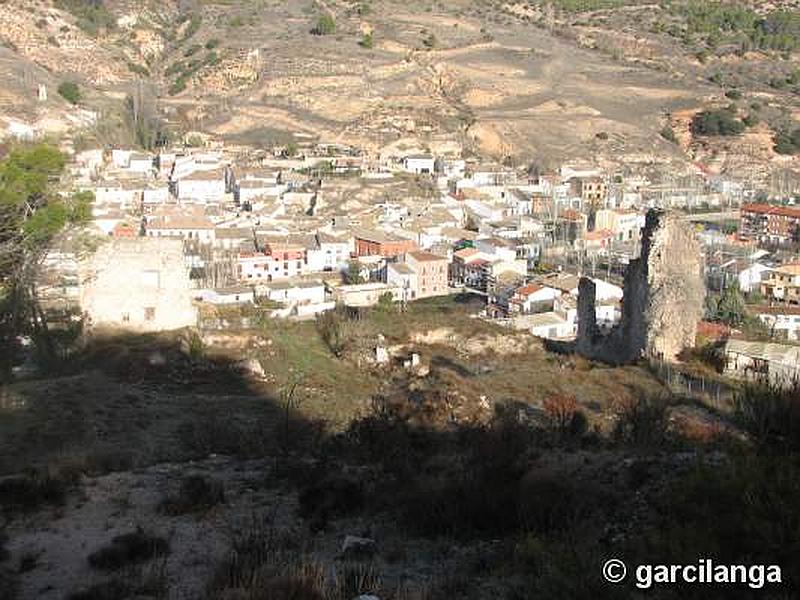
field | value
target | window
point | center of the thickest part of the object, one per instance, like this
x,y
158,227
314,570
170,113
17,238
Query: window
x,y
149,313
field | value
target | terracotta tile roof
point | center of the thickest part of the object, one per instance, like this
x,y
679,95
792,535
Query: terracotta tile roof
x,y
769,209
465,253
529,289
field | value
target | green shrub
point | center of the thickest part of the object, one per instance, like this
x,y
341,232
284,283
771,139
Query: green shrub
x,y
642,423
193,49
212,43
195,21
770,414
196,494
146,581
741,510
174,69
30,492
788,143
326,25
138,69
70,91
92,15
127,549
721,122
668,134
367,41
751,120
334,496
177,87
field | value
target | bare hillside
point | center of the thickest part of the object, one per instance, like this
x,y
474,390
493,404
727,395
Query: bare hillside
x,y
517,81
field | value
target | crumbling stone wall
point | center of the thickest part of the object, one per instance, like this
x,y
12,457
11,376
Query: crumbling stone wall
x,y
587,317
677,288
138,284
663,300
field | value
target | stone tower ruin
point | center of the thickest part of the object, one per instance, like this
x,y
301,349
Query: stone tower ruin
x,y
663,300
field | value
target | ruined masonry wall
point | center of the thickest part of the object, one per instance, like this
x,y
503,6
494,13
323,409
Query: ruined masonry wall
x,y
663,301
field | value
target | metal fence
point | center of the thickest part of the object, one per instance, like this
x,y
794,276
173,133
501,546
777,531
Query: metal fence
x,y
708,391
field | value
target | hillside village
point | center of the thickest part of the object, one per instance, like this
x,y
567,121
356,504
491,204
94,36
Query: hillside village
x,y
330,226
378,300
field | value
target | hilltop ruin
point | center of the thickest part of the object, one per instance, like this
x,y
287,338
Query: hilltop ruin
x,y
663,301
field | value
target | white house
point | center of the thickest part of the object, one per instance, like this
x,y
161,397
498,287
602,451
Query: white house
x,y
250,189
184,166
121,158
114,192
189,227
329,254
532,298
228,295
422,164
21,131
402,276
155,195
625,225
604,291
497,248
202,186
783,320
91,160
140,163
549,325
750,278
293,292
365,294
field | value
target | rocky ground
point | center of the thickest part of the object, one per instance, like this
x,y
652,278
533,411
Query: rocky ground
x,y
216,474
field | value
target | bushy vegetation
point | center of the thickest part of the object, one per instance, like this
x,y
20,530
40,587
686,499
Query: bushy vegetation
x,y
138,69
589,5
367,41
265,563
195,21
771,415
27,493
516,481
188,69
127,549
325,25
715,23
149,130
668,134
92,16
788,142
353,274
196,494
32,213
721,122
70,91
